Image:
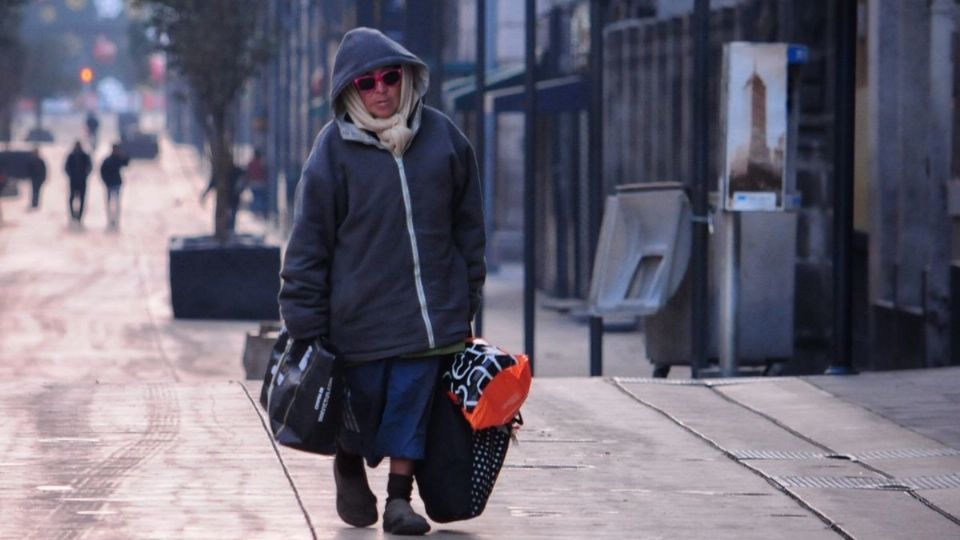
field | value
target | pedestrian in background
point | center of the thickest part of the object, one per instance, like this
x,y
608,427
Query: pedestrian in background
x,y
3,185
37,170
110,174
92,126
385,260
235,185
256,179
78,167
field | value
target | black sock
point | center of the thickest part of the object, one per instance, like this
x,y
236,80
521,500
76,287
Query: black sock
x,y
399,487
348,464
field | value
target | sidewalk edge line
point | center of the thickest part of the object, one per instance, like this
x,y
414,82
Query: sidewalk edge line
x,y
806,379
920,498
913,493
276,451
833,525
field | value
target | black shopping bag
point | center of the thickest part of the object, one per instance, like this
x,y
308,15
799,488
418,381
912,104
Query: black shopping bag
x,y
276,352
302,394
461,465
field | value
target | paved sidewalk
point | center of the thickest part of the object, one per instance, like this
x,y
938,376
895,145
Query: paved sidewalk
x,y
119,422
926,401
597,458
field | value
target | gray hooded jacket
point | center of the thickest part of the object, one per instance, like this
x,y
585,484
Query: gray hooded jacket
x,y
386,254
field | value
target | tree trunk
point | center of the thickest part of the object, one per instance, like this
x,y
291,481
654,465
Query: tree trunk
x,y
221,161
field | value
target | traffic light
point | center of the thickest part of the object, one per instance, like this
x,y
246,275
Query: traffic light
x,y
86,75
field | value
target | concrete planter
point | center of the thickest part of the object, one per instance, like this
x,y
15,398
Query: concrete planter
x,y
239,279
139,145
9,189
257,349
15,163
39,135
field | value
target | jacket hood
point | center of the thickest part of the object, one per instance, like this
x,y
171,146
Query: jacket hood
x,y
363,49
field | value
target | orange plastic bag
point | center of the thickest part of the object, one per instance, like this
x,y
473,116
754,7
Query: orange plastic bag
x,y
489,384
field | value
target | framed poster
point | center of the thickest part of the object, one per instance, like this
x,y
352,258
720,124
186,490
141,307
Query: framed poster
x,y
754,116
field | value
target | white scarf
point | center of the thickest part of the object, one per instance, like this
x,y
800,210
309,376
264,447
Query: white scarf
x,y
392,131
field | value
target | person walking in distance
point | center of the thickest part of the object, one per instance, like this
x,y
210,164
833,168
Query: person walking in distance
x,y
385,260
78,167
3,185
235,187
110,174
37,170
92,126
256,175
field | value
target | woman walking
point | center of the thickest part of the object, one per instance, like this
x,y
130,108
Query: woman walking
x,y
385,260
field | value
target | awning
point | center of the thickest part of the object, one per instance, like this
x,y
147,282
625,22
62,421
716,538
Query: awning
x,y
505,91
568,94
458,94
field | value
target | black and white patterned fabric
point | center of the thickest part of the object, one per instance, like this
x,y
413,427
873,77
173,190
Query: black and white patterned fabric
x,y
489,451
472,369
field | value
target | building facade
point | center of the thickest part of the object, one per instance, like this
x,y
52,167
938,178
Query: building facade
x,y
906,155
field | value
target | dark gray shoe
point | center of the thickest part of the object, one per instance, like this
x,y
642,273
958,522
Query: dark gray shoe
x,y
399,518
356,504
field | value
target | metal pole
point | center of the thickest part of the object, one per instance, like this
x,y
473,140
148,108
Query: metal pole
x,y
479,141
701,171
595,153
272,144
730,295
841,362
489,131
437,77
287,97
529,185
297,147
366,13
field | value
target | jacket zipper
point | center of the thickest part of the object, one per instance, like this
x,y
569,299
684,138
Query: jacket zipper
x,y
416,252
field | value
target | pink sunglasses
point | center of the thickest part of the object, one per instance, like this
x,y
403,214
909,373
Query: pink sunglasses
x,y
389,77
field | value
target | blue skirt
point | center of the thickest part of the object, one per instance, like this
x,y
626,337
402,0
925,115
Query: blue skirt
x,y
388,407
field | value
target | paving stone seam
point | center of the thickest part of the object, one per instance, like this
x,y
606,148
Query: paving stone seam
x,y
283,465
946,481
920,498
698,382
905,453
878,412
833,525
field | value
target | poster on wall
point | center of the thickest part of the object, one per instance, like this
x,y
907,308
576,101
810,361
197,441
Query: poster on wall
x,y
754,101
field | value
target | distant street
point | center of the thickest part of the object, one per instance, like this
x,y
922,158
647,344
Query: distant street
x,y
92,304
